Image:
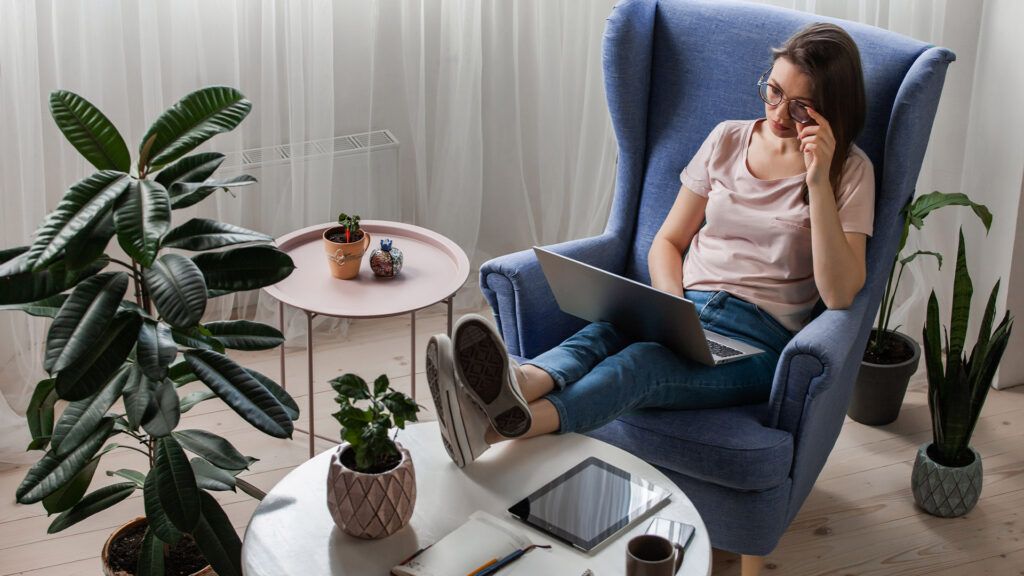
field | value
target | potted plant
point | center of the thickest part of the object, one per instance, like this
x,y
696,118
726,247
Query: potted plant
x,y
345,245
892,357
371,485
104,346
947,474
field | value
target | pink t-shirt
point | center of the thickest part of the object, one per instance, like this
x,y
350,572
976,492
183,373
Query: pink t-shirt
x,y
756,243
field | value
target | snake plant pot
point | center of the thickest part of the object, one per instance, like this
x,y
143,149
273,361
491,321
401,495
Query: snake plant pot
x,y
120,554
344,258
880,388
370,505
945,491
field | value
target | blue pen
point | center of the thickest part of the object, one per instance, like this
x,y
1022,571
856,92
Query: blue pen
x,y
509,559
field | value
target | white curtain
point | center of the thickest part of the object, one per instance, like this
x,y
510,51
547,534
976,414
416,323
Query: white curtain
x,y
498,107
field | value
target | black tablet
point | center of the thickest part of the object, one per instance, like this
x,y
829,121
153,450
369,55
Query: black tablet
x,y
589,504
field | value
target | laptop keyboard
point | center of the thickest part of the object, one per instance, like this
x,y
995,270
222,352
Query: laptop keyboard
x,y
721,350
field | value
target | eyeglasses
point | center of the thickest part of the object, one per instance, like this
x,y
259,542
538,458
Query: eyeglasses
x,y
773,96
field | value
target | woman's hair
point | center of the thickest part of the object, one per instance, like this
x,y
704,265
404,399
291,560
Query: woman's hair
x,y
829,56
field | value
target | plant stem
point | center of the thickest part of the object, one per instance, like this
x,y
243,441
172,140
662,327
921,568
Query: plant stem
x,y
140,451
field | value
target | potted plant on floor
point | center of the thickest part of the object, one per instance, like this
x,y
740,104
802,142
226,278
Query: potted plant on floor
x,y
345,245
104,346
947,474
892,357
371,484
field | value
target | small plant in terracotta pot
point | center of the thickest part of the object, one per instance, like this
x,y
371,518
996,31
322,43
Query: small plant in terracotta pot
x,y
345,245
371,484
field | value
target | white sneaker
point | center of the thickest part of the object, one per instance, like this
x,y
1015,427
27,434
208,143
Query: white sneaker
x,y
484,370
463,424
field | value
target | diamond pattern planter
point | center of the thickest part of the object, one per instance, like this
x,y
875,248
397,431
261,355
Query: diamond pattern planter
x,y
944,491
371,505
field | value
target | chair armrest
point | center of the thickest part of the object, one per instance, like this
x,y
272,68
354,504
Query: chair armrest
x,y
524,306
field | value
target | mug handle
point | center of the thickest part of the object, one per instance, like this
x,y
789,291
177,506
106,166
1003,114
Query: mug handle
x,y
679,556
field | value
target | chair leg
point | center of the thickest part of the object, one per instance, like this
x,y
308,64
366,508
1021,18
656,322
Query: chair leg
x,y
751,565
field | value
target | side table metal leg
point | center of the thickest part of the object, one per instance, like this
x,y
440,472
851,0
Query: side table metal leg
x,y
280,323
451,304
309,368
412,356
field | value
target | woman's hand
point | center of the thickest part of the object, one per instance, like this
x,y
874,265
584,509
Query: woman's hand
x,y
818,145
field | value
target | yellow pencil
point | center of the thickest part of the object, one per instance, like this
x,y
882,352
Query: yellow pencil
x,y
481,568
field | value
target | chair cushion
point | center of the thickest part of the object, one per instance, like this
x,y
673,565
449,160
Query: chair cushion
x,y
727,446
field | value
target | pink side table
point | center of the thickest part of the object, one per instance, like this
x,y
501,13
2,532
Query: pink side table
x,y
434,270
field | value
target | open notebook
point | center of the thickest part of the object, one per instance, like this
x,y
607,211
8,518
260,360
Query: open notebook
x,y
484,537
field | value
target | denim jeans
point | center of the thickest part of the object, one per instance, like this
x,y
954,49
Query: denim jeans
x,y
599,374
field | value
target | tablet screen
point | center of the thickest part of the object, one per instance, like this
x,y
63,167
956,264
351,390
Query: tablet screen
x,y
589,503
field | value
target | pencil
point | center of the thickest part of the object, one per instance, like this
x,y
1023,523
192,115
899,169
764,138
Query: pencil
x,y
492,562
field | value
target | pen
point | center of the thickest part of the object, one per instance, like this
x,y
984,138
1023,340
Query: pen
x,y
480,569
509,559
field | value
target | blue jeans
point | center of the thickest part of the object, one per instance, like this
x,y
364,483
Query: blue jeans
x,y
599,374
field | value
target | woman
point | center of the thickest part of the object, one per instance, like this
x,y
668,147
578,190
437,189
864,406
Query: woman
x,y
788,201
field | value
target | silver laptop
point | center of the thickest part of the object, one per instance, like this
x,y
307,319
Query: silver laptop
x,y
642,313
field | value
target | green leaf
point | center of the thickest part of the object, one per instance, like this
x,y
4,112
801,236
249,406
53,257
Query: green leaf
x,y
380,385
178,290
185,194
80,419
139,403
245,335
83,319
100,361
40,413
927,203
202,234
142,217
217,539
351,386
166,410
239,390
156,349
176,484
71,492
209,477
134,475
45,308
151,556
914,256
191,121
960,314
181,374
84,204
196,337
89,131
194,168
403,409
193,398
91,243
213,448
97,501
282,396
245,268
20,285
159,523
52,471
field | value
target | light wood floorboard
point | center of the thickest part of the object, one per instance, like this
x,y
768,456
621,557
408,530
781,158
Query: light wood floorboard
x,y
859,519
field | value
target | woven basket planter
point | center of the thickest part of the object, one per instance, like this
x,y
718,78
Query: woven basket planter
x,y
371,505
945,491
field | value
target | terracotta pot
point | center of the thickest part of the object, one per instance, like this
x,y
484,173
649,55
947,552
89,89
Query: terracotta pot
x,y
880,388
105,555
371,505
344,258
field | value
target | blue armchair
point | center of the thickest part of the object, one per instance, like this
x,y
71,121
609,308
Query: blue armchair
x,y
673,70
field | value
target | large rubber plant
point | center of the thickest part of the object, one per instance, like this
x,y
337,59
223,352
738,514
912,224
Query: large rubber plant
x,y
127,333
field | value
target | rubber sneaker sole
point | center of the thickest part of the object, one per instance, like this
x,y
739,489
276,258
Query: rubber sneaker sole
x,y
481,364
443,394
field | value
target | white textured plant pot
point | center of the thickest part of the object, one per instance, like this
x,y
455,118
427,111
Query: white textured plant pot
x,y
942,490
371,505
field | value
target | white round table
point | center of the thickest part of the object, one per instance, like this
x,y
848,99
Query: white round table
x,y
291,532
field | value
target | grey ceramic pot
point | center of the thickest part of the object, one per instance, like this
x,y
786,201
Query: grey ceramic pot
x,y
880,388
942,490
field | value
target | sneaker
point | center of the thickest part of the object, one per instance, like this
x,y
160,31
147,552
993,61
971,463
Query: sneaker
x,y
462,423
483,368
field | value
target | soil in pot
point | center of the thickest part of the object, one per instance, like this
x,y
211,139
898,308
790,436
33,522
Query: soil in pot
x,y
339,236
348,458
893,351
183,559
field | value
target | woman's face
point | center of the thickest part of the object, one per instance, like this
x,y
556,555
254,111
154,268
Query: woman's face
x,y
794,85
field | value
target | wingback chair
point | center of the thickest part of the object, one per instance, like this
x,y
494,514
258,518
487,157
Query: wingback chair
x,y
673,70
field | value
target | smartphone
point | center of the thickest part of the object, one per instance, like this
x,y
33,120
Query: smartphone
x,y
679,532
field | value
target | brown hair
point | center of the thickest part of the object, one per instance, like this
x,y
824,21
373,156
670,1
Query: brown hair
x,y
829,56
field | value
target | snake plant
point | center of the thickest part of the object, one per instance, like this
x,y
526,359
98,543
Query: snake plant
x,y
957,391
120,326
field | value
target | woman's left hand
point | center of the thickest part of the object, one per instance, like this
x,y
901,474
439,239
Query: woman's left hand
x,y
818,145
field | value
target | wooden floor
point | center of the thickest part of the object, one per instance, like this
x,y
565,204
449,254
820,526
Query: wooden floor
x,y
859,519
